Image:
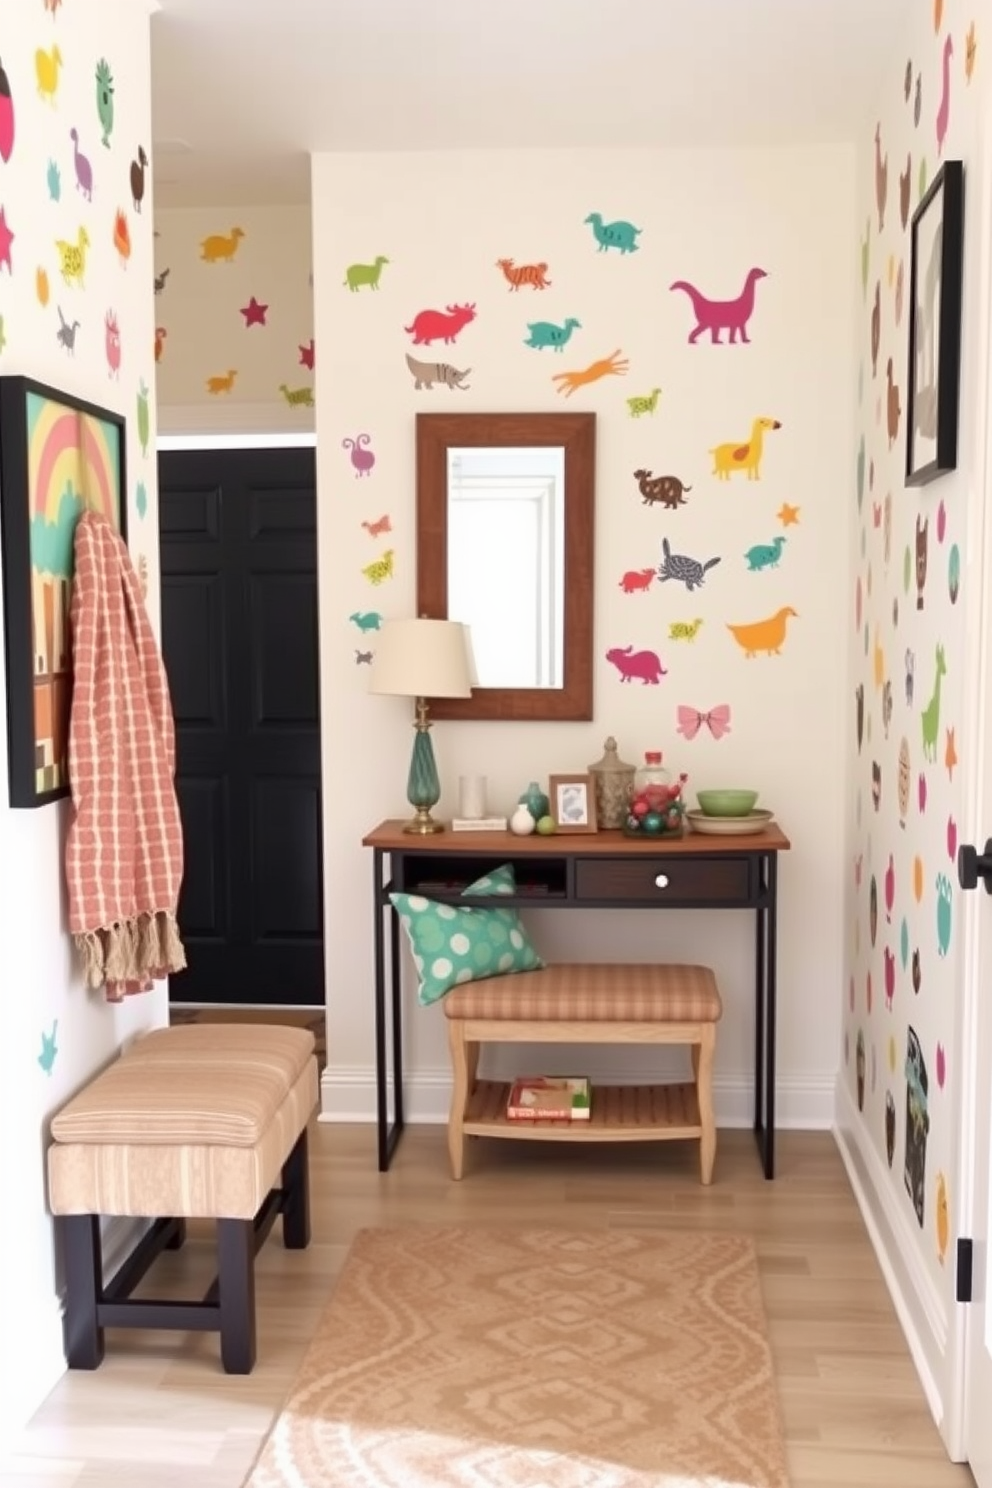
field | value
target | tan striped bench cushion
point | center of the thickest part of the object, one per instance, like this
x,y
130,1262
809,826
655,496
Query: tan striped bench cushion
x,y
190,1085
610,993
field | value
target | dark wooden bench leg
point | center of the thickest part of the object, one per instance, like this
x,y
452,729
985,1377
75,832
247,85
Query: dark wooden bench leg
x,y
83,1259
177,1238
236,1294
296,1196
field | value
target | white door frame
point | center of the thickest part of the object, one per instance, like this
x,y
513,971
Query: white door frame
x,y
976,821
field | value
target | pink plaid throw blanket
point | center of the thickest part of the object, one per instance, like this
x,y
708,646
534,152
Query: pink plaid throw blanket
x,y
124,853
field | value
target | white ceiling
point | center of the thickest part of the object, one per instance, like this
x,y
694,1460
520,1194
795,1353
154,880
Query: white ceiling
x,y
243,90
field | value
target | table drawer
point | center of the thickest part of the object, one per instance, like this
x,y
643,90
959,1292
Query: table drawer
x,y
653,880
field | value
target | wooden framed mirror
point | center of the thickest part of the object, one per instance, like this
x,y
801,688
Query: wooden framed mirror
x,y
505,521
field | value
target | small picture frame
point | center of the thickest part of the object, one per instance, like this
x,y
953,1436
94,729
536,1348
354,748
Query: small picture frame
x,y
935,294
573,803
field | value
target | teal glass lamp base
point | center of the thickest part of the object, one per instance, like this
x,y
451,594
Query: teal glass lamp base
x,y
423,788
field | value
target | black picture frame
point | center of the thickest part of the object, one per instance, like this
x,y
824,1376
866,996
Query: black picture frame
x,y
59,456
935,300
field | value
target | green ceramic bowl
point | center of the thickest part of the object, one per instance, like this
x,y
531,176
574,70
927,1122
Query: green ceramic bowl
x,y
726,802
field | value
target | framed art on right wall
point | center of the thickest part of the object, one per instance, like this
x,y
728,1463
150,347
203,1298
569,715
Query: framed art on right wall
x,y
934,368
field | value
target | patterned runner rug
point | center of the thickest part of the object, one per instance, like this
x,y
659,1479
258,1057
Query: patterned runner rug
x,y
500,1358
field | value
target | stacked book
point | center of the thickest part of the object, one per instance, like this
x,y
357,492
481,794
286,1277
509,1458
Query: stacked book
x,y
549,1098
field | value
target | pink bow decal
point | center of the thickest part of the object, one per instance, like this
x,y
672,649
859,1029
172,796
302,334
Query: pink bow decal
x,y
717,720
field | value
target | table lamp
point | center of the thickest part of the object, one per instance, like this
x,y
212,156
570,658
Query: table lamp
x,y
422,659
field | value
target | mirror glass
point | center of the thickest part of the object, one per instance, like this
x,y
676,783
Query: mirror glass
x,y
508,505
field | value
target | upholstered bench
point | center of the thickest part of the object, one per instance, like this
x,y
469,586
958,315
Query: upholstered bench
x,y
203,1121
588,1004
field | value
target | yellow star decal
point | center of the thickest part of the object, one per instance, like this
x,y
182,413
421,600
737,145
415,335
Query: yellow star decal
x,y
788,515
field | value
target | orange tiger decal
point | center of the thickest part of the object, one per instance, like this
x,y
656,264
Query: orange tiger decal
x,y
536,275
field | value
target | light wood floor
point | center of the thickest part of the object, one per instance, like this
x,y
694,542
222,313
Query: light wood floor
x,y
159,1411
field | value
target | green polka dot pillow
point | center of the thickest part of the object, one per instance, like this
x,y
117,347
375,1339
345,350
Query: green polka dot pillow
x,y
453,944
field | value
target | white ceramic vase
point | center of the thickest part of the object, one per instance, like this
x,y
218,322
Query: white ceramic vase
x,y
522,822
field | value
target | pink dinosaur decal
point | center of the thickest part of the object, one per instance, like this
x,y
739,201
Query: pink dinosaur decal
x,y
718,315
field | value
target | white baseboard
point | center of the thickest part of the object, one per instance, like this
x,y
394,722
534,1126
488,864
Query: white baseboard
x,y
39,1369
30,1374
922,1311
803,1103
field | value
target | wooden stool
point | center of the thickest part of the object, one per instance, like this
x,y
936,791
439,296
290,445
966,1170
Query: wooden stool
x,y
588,1004
204,1121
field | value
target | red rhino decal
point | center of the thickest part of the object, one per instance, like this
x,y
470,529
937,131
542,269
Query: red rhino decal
x,y
440,325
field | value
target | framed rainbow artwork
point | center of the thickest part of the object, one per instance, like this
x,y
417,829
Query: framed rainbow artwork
x,y
59,457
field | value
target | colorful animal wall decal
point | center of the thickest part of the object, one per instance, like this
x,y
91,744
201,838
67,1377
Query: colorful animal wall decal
x,y
930,718
49,1048
380,526
543,333
143,418
534,276
615,365
637,580
690,721
666,489
440,325
366,620
7,120
646,404
105,100
254,313
139,167
683,630
364,276
764,555
141,500
72,259
728,459
161,335
82,166
308,355
42,286
942,1221
715,316
221,382
122,236
222,247
917,1124
364,658
112,343
66,333
682,569
361,454
620,235
881,179
160,280
298,397
764,637
47,66
426,374
944,107
380,569
645,666
970,50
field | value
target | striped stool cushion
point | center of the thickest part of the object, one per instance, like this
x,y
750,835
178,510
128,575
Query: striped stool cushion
x,y
611,993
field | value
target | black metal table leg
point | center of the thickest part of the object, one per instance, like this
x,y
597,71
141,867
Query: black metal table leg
x,y
766,958
388,1133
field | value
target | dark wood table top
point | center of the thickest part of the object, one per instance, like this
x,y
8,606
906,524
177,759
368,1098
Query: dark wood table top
x,y
389,836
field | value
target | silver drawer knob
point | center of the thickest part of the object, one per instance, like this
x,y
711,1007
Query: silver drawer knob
x,y
661,882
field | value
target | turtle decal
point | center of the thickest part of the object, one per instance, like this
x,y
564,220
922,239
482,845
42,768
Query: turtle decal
x,y
687,571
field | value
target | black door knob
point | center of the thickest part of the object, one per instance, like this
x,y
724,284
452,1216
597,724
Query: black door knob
x,y
973,865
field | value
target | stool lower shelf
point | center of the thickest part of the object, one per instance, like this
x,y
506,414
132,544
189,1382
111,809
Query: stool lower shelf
x,y
620,1113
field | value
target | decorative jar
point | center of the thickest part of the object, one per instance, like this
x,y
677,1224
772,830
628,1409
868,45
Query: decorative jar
x,y
613,782
657,802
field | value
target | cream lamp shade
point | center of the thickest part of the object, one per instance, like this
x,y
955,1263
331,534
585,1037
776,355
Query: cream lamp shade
x,y
422,659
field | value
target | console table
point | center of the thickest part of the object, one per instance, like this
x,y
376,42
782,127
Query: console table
x,y
598,870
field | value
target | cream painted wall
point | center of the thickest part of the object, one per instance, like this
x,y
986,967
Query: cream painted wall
x,y
442,221
41,983
904,957
248,311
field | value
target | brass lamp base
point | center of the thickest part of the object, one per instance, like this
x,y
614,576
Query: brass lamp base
x,y
423,824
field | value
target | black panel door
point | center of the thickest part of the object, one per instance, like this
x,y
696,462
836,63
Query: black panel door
x,y
239,638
